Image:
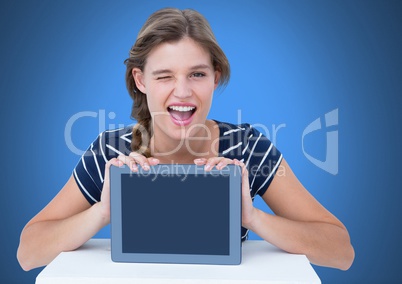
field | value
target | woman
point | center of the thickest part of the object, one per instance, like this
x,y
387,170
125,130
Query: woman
x,y
173,69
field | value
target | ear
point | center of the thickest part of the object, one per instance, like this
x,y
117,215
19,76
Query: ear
x,y
217,77
139,79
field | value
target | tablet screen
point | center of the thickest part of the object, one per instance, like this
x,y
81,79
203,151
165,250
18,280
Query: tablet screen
x,y
176,214
165,215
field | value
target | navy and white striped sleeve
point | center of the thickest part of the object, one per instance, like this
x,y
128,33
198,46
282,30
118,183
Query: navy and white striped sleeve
x,y
262,159
90,169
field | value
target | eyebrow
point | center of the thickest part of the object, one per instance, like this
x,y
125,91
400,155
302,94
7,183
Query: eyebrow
x,y
161,71
195,67
200,66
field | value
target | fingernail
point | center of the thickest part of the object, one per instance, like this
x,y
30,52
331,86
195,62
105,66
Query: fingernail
x,y
145,166
219,166
207,167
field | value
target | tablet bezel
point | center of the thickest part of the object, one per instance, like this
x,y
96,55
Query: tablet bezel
x,y
234,256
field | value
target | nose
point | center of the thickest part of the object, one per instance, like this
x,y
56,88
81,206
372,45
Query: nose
x,y
182,88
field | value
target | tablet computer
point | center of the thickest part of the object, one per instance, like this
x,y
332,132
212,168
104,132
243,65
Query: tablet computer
x,y
176,214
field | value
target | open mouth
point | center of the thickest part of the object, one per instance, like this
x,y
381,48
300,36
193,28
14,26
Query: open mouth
x,y
181,114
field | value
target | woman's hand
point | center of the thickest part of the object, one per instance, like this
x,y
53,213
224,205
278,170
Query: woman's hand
x,y
248,210
133,160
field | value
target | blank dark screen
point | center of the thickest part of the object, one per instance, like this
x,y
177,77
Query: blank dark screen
x,y
165,215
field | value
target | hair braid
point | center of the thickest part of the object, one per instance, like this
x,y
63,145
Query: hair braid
x,y
142,131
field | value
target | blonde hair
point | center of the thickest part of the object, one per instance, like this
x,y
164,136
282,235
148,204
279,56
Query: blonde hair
x,y
166,25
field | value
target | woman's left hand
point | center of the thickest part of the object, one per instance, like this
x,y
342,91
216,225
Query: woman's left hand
x,y
248,210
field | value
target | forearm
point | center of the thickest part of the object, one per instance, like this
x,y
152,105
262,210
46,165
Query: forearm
x,y
324,244
42,241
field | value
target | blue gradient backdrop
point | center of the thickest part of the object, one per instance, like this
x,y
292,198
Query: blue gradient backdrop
x,y
292,62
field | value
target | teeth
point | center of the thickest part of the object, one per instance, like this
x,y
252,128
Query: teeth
x,y
182,108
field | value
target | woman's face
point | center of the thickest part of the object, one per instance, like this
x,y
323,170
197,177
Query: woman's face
x,y
178,80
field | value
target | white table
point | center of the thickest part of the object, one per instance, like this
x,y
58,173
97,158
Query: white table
x,y
261,263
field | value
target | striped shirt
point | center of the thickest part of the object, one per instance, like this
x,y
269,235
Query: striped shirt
x,y
242,142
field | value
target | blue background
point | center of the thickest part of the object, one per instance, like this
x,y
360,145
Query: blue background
x,y
292,62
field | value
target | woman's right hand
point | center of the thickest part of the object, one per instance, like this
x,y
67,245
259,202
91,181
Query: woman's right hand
x,y
133,161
